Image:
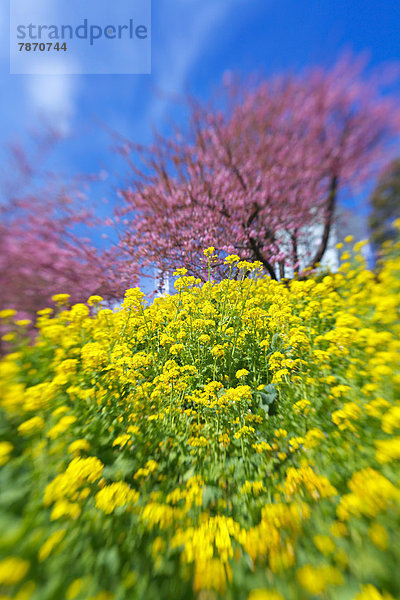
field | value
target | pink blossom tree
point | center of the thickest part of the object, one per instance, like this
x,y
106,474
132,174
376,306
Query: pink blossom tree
x,y
257,171
42,249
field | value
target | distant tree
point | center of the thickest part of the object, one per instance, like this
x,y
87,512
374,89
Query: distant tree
x,y
253,176
385,206
41,251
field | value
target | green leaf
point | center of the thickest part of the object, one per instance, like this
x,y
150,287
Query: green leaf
x,y
268,397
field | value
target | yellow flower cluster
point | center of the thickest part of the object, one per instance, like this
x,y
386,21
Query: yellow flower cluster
x,y
238,439
116,494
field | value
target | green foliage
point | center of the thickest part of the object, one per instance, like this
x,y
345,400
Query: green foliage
x,y
385,203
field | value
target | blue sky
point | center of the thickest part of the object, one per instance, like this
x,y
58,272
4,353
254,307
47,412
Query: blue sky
x,y
194,43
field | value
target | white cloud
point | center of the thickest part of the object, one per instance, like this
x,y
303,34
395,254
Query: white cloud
x,y
186,32
53,98
48,97
186,42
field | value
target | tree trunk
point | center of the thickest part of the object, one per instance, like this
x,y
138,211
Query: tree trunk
x,y
330,212
260,257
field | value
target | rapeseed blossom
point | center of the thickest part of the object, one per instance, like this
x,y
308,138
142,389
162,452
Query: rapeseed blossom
x,y
235,440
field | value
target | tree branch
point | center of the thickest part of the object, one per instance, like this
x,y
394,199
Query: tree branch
x,y
260,257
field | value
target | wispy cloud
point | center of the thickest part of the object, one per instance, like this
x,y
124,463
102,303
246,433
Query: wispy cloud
x,y
53,97
186,28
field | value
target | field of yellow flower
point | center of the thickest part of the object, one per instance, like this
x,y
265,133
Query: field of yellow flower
x,y
236,440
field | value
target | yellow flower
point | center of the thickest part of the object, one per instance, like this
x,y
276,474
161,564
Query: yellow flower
x,y
338,529
261,447
78,446
78,312
134,429
61,298
158,546
79,471
31,426
122,440
63,424
12,570
253,487
102,596
151,465
63,508
200,442
231,259
5,451
325,544
75,588
280,433
180,272
224,439
24,593
263,594
23,322
371,493
7,313
378,535
44,312
211,575
302,406
158,515
241,373
387,450
60,411
209,251
175,349
316,579
52,541
391,420
94,300
359,245
114,495
93,355
244,431
369,592
8,337
217,351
